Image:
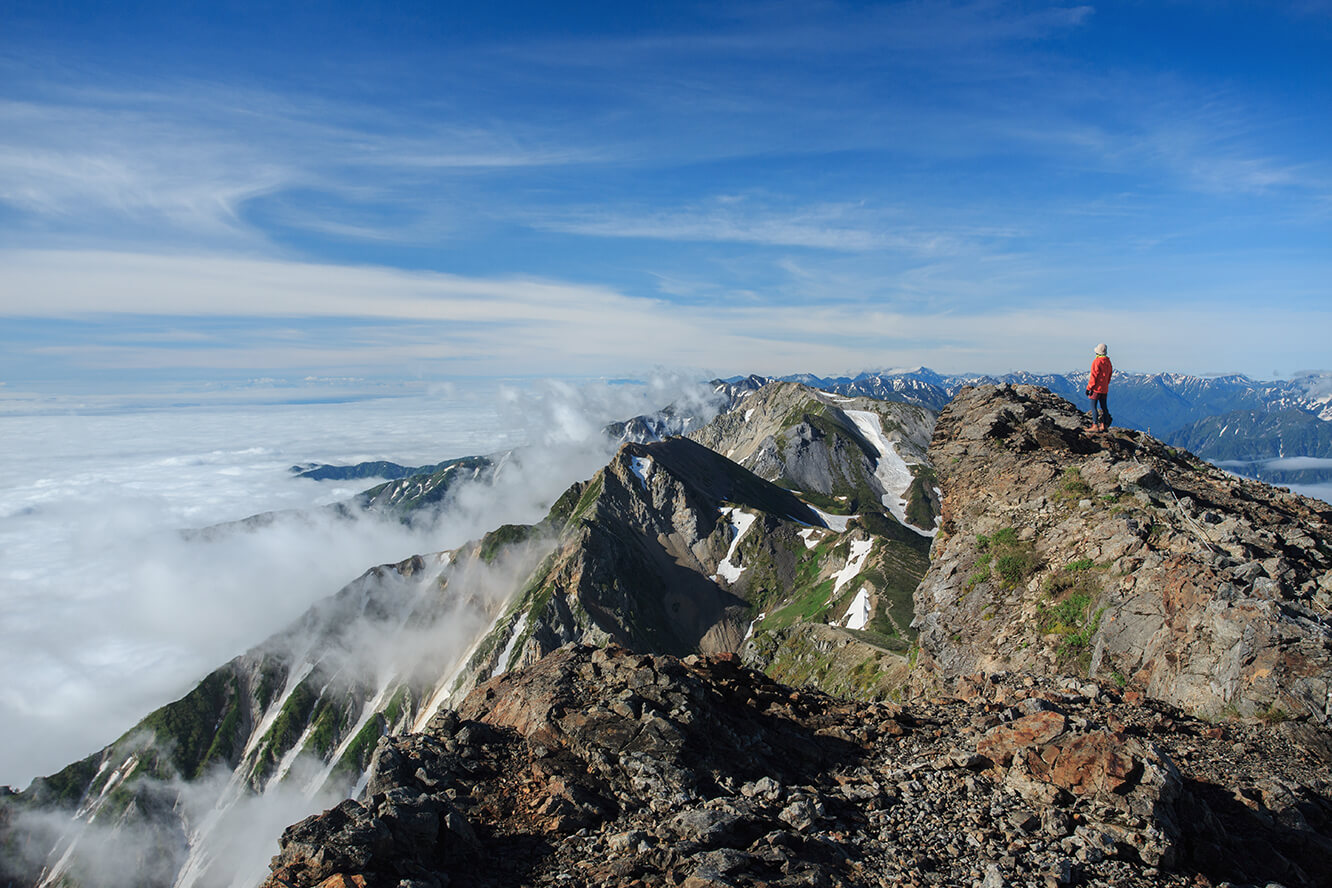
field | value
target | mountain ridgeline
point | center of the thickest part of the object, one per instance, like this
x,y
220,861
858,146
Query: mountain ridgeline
x,y
1234,418
545,702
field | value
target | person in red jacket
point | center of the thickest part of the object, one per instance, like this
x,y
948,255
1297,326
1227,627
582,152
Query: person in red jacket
x,y
1098,387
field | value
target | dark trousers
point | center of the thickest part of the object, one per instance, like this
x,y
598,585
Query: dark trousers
x,y
1099,400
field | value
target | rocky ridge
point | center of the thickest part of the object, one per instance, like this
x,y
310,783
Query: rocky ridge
x,y
673,548
596,766
1118,557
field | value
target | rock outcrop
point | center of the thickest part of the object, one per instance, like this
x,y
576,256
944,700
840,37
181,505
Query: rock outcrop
x,y
1114,556
602,767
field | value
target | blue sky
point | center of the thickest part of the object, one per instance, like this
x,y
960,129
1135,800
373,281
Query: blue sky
x,y
202,194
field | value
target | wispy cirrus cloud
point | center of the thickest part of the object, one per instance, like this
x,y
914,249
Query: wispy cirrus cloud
x,y
784,30
190,161
849,226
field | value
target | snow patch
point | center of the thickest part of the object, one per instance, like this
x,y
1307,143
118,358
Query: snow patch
x,y
519,628
275,708
368,711
444,688
289,757
891,470
749,413
808,536
833,522
860,550
858,614
641,467
741,522
119,776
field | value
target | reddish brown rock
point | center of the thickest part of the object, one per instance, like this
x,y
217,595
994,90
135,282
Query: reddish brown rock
x,y
1000,743
1086,764
648,770
343,881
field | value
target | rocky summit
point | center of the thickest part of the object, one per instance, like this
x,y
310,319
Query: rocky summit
x,y
597,766
1112,555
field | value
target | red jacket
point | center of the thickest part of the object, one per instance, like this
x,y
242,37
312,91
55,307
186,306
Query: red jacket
x,y
1099,384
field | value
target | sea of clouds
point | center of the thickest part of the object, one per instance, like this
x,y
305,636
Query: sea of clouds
x,y
107,611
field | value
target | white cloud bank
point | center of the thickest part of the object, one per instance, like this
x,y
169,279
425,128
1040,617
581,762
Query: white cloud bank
x,y
496,327
107,612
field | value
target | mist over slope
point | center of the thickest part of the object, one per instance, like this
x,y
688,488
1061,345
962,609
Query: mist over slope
x,y
107,611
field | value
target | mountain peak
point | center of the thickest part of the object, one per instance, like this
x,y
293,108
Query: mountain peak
x,y
1116,556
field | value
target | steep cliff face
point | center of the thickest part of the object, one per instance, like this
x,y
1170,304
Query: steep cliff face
x,y
1117,557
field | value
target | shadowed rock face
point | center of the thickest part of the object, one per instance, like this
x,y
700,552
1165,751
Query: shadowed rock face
x,y
637,562
1115,556
601,767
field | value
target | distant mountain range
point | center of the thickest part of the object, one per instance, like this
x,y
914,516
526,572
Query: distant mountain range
x,y
1238,422
1242,421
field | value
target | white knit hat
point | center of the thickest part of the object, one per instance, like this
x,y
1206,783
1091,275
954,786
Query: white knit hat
x,y
1100,349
